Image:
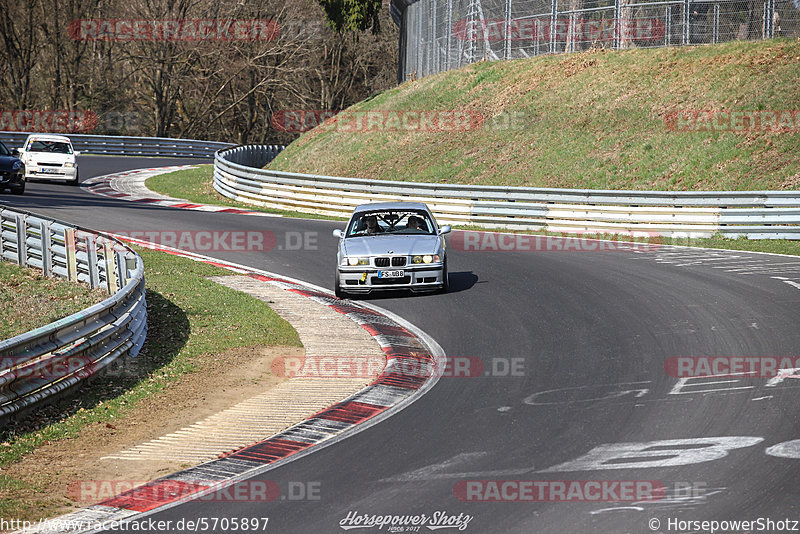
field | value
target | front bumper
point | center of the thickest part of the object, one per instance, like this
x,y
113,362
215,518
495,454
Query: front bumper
x,y
67,174
417,278
11,179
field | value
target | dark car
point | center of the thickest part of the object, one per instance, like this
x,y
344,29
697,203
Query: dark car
x,y
12,171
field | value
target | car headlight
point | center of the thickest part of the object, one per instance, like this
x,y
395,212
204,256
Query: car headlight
x,y
17,165
352,261
69,164
427,258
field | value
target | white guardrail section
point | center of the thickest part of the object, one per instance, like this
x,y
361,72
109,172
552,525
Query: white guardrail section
x,y
37,365
238,174
129,146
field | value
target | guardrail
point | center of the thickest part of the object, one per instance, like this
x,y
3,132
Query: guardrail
x,y
37,365
129,146
756,214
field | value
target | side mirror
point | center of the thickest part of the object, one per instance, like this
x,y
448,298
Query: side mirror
x,y
15,152
445,229
77,153
338,233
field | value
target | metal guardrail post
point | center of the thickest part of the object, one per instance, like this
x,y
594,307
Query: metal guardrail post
x,y
47,242
71,250
91,256
22,238
111,270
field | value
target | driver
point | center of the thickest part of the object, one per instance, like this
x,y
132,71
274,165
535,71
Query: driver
x,y
372,225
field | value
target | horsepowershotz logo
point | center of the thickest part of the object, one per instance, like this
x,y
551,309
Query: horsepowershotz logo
x,y
406,523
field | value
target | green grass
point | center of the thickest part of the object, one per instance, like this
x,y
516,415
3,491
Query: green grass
x,y
194,185
28,299
597,119
190,319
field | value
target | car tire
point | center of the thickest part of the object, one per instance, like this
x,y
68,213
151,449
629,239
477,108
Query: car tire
x,y
18,190
76,181
337,288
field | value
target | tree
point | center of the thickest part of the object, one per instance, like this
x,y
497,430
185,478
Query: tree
x,y
353,15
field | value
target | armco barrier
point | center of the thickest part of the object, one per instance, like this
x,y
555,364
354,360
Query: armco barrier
x,y
238,174
129,146
44,362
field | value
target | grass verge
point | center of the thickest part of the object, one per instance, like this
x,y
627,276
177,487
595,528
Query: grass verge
x,y
195,185
28,299
190,320
597,119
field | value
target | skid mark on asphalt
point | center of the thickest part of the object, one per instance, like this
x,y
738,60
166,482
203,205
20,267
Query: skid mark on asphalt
x,y
734,262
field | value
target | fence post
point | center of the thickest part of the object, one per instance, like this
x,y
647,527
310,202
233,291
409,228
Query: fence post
x,y
668,25
553,21
449,32
435,40
715,29
418,66
617,25
686,7
507,32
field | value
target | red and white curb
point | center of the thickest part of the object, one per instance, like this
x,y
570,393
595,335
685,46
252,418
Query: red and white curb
x,y
129,185
406,348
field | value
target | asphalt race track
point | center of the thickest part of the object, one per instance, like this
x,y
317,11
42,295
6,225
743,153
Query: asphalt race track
x,y
574,344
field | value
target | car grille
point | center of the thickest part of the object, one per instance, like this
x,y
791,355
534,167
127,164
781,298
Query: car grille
x,y
5,176
49,164
375,281
396,261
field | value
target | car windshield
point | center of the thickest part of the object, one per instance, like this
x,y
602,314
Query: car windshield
x,y
4,150
392,222
57,147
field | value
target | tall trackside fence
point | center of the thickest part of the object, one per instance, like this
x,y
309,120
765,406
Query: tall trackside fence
x,y
440,35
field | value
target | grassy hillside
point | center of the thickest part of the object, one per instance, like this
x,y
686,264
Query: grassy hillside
x,y
597,119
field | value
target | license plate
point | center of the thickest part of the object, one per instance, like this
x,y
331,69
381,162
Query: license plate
x,y
49,170
391,274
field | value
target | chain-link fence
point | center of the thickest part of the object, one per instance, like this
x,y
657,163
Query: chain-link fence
x,y
440,35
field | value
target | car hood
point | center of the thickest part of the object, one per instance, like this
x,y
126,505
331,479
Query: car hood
x,y
49,157
410,245
7,163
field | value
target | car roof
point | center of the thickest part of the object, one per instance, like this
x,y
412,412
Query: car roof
x,y
378,206
48,137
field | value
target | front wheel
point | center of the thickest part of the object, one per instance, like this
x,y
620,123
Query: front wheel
x,y
76,180
20,189
337,287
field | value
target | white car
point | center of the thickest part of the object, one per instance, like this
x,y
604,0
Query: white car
x,y
49,157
